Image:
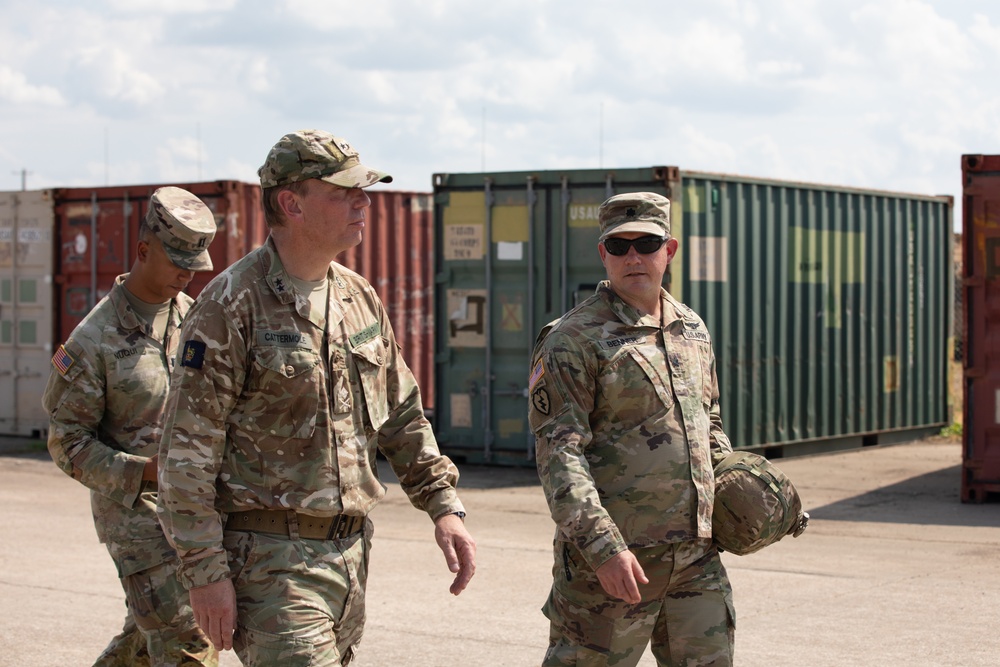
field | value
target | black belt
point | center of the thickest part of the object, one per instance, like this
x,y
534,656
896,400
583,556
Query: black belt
x,y
295,525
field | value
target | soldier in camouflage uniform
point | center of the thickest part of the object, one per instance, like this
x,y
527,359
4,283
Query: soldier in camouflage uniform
x,y
624,405
106,397
289,380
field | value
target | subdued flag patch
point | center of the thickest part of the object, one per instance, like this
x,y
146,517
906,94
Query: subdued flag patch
x,y
536,374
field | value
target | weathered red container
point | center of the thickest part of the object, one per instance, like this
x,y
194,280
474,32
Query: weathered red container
x,y
107,219
395,256
981,344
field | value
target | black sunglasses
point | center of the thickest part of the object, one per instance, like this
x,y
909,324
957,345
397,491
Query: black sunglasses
x,y
644,245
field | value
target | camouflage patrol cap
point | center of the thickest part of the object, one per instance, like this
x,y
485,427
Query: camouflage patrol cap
x,y
635,212
184,225
317,154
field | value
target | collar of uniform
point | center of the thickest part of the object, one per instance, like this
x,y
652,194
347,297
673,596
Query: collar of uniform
x,y
672,310
275,274
626,313
127,317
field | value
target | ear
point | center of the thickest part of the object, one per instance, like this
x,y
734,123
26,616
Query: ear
x,y
142,251
288,204
603,252
672,246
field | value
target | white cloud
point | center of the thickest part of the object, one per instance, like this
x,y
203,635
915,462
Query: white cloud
x,y
172,7
986,33
14,87
115,76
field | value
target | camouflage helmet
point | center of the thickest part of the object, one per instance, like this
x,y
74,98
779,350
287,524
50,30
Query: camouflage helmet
x,y
755,504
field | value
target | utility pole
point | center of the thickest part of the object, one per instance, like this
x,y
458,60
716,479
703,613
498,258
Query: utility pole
x,y
24,178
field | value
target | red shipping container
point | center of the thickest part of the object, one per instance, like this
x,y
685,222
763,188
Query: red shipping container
x,y
981,344
395,256
107,219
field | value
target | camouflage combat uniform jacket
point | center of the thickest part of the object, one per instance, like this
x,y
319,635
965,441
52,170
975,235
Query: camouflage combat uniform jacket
x,y
106,412
266,414
625,412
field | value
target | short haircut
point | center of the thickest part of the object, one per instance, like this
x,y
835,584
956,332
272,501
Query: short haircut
x,y
269,199
145,233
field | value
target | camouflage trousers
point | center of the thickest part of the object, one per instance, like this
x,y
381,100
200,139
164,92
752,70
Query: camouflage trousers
x,y
686,611
159,629
298,601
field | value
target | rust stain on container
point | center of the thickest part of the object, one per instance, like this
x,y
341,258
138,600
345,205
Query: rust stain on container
x,y
981,344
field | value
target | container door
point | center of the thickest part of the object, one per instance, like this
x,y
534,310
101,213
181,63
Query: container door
x,y
981,249
26,232
514,252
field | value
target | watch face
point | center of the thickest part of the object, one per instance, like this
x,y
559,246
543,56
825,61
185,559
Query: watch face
x,y
460,515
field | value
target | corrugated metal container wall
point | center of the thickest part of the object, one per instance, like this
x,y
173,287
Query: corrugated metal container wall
x,y
829,307
396,257
107,218
981,282
26,309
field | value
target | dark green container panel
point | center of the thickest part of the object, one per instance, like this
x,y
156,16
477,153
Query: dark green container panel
x,y
829,307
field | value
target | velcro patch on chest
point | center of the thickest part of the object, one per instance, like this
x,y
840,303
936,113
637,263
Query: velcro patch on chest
x,y
615,343
365,334
695,331
290,338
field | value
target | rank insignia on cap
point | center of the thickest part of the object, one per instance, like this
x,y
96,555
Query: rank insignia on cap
x,y
62,360
194,354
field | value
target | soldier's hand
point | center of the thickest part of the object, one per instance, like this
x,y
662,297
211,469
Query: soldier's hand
x,y
459,549
214,608
620,577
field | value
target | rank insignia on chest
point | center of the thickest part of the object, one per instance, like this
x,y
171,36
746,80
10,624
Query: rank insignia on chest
x,y
194,354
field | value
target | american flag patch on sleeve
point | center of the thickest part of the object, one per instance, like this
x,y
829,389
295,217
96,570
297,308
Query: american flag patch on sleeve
x,y
62,361
536,374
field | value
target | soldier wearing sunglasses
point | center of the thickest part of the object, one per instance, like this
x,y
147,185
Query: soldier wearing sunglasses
x,y
625,411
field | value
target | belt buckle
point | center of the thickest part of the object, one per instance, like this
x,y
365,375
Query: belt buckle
x,y
335,525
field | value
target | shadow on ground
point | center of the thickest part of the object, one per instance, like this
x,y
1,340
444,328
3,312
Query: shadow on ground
x,y
931,499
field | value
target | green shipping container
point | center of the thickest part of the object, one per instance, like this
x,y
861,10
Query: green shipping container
x,y
829,307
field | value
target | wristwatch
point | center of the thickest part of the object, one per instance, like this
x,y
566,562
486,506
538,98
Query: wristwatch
x,y
460,515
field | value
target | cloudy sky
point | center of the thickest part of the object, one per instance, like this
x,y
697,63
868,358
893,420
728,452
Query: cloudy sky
x,y
884,94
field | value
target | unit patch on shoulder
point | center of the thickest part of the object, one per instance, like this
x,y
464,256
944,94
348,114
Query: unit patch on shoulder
x,y
540,401
194,354
62,360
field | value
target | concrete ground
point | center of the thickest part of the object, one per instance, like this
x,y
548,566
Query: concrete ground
x,y
893,570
